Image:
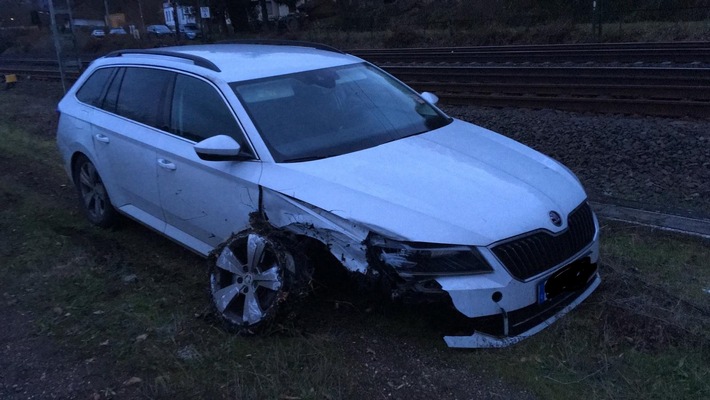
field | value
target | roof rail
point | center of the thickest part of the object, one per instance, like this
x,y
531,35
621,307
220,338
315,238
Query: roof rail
x,y
277,42
197,60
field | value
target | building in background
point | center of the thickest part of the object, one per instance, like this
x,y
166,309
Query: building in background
x,y
276,10
187,15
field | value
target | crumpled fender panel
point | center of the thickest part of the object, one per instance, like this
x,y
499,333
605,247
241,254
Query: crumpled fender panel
x,y
344,239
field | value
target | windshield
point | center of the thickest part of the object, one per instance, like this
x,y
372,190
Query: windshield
x,y
327,112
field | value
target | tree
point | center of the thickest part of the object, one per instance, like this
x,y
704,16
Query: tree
x,y
238,11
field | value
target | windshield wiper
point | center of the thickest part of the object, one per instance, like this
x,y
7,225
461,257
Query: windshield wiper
x,y
308,158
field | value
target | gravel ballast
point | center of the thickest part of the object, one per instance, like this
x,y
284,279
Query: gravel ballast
x,y
657,164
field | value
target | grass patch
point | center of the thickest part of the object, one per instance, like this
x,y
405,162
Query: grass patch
x,y
659,261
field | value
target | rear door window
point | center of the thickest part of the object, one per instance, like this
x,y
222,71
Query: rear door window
x,y
93,89
109,103
144,96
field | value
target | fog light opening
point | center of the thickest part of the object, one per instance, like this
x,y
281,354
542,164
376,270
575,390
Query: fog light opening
x,y
497,296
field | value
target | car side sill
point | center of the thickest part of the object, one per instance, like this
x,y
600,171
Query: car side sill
x,y
198,247
143,217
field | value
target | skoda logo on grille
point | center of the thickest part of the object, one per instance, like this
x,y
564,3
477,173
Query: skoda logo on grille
x,y
555,218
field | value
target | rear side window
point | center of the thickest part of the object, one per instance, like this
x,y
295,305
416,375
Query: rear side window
x,y
93,88
111,99
144,96
199,112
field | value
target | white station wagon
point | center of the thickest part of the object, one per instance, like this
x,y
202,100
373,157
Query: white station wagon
x,y
267,157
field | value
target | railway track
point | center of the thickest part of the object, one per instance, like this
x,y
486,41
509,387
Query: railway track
x,y
660,91
650,91
678,52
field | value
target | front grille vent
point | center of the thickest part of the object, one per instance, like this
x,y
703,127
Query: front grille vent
x,y
536,252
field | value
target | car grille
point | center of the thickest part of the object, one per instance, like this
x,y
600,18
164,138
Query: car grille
x,y
536,252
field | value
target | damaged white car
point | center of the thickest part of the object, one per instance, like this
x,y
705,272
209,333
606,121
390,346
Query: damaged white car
x,y
263,155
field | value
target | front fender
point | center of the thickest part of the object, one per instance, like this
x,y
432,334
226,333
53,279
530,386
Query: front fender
x,y
344,239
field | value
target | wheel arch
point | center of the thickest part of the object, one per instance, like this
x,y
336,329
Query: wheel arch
x,y
108,185
318,229
73,161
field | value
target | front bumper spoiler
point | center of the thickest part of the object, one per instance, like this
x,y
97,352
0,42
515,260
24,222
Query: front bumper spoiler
x,y
481,340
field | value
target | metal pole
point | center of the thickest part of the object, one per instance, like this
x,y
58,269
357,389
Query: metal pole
x,y
57,44
140,10
601,19
177,23
594,17
106,13
73,36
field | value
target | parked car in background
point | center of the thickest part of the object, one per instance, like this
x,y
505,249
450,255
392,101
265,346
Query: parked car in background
x,y
98,33
265,158
190,32
117,31
158,31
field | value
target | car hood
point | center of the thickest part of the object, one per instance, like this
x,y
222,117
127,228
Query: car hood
x,y
459,184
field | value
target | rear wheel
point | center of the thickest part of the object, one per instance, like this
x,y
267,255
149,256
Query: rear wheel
x,y
251,276
93,198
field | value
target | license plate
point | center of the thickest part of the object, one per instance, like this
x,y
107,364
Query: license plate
x,y
567,279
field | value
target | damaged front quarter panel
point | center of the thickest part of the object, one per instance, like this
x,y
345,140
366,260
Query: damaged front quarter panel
x,y
470,282
344,239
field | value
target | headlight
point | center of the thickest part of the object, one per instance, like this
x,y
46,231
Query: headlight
x,y
410,258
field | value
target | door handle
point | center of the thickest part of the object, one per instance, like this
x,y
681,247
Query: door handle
x,y
166,164
102,138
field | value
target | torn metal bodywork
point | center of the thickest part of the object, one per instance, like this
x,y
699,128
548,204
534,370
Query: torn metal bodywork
x,y
345,240
491,291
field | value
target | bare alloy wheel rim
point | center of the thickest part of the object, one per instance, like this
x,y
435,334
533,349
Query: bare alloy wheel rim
x,y
93,192
247,279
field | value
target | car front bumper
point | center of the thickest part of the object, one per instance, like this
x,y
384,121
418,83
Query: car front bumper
x,y
543,319
507,310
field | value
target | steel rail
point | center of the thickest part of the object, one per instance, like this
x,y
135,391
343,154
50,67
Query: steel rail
x,y
595,75
623,56
651,91
687,52
662,108
566,46
37,73
613,91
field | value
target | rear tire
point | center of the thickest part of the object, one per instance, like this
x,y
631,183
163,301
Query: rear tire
x,y
93,198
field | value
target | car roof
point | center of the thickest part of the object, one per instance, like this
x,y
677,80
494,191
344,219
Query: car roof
x,y
239,62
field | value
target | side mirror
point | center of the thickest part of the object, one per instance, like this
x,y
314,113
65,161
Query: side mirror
x,y
218,148
431,98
